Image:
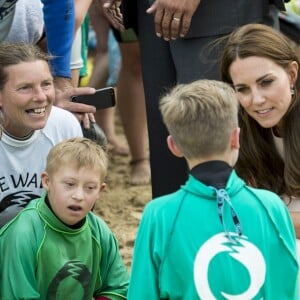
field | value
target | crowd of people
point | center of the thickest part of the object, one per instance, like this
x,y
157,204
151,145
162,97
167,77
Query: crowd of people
x,y
211,89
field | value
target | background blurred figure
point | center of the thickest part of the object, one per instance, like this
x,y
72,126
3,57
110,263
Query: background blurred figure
x,y
131,103
130,95
100,74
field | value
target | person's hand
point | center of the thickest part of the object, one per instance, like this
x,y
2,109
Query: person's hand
x,y
111,10
85,119
172,18
64,91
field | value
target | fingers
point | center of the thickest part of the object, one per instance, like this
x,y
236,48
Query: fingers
x,y
115,18
168,25
176,26
92,117
185,25
172,18
107,3
86,121
113,14
82,91
67,95
76,107
158,17
63,100
83,119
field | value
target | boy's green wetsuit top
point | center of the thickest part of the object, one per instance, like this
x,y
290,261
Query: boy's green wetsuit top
x,y
41,258
182,250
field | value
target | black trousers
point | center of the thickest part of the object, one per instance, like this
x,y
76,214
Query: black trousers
x,y
163,65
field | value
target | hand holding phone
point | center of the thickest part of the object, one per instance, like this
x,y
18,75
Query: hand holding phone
x,y
103,98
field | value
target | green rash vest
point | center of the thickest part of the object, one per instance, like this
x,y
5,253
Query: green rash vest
x,y
182,250
41,258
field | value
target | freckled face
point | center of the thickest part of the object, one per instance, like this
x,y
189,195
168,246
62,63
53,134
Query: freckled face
x,y
263,88
27,97
72,192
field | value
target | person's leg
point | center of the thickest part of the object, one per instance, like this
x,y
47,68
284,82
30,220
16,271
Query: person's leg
x,y
106,117
163,65
131,103
167,171
197,58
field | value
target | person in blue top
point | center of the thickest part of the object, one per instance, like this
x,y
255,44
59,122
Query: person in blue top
x,y
215,237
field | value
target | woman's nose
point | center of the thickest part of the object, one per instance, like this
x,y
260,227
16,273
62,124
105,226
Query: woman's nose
x,y
39,94
257,97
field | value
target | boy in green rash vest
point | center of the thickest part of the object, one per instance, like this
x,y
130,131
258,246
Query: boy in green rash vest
x,y
56,248
216,237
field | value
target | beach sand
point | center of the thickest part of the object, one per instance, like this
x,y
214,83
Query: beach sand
x,y
121,204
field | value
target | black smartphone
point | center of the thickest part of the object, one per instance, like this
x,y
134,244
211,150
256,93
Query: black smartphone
x,y
103,98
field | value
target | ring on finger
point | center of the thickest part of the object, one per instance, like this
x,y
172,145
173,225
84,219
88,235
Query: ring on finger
x,y
176,19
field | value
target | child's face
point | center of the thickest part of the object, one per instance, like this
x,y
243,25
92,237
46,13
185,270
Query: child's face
x,y
72,192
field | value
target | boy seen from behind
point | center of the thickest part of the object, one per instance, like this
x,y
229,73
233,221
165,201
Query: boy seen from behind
x,y
56,248
214,238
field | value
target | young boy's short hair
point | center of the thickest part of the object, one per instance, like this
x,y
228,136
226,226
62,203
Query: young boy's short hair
x,y
205,108
81,151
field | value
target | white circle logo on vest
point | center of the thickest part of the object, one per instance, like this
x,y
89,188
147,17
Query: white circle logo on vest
x,y
242,251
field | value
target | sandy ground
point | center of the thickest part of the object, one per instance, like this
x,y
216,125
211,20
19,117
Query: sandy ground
x,y
121,204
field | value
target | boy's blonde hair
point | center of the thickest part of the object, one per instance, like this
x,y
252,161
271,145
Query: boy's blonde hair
x,y
200,116
81,152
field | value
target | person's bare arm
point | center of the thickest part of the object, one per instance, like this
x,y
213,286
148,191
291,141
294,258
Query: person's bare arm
x,y
81,9
172,18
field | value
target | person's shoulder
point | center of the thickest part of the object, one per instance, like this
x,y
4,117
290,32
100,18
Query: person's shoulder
x,y
24,233
266,197
94,219
25,222
164,205
58,114
262,193
98,226
62,123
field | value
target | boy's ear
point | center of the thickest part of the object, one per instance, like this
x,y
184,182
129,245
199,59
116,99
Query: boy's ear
x,y
45,180
173,148
235,138
103,186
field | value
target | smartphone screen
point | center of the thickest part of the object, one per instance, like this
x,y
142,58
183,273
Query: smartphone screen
x,y
103,98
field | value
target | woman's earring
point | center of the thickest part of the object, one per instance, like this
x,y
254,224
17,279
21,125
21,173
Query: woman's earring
x,y
292,91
